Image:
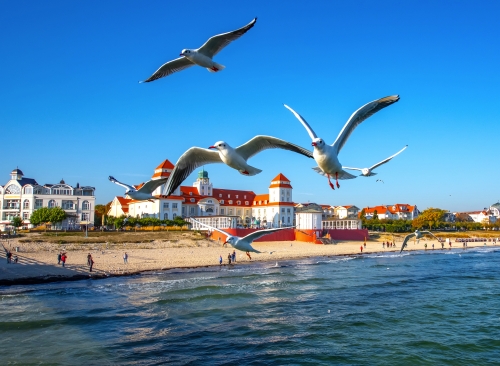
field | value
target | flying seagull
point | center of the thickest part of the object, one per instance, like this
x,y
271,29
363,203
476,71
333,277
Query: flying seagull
x,y
144,192
201,56
236,158
379,180
244,244
368,172
418,235
326,156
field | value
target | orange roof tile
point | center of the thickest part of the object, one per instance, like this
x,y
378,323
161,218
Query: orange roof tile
x,y
280,181
166,164
163,170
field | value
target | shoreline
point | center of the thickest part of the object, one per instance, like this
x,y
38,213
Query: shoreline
x,y
38,267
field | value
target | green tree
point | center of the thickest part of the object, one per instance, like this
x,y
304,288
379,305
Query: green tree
x,y
101,212
375,215
40,216
16,222
429,218
362,214
57,214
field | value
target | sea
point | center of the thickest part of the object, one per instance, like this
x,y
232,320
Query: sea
x,y
434,307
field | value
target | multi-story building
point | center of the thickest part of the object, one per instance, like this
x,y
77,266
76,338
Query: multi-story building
x,y
398,211
20,196
202,199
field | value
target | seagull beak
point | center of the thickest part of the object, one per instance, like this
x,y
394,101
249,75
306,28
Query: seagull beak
x,y
212,147
313,144
181,54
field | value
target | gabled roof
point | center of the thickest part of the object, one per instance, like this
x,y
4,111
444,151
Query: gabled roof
x,y
185,190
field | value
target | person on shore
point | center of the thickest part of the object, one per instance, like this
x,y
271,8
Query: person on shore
x,y
9,257
220,260
233,256
59,258
450,244
229,258
63,259
364,245
383,245
16,259
361,248
442,245
125,258
425,246
89,259
91,263
432,246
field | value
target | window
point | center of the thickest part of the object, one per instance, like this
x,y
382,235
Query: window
x,y
85,216
245,197
246,203
239,202
228,196
165,205
220,195
26,215
192,200
221,202
209,201
222,211
174,205
28,190
174,216
190,193
288,210
38,204
230,202
191,210
236,196
165,216
67,205
282,210
238,212
230,211
86,205
26,204
52,203
288,220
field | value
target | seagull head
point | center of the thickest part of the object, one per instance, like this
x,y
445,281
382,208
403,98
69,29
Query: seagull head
x,y
230,240
365,171
219,145
186,53
318,143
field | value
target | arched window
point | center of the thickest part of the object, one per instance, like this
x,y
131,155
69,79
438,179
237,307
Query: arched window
x,y
28,190
52,203
165,216
26,204
85,205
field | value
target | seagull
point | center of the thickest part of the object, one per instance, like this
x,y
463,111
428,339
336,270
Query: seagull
x,y
144,192
379,180
418,235
368,172
244,244
236,158
326,156
201,56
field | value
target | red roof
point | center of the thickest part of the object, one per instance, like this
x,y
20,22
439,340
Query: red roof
x,y
123,203
163,170
280,181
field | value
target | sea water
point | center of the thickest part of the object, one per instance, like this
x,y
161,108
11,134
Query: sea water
x,y
419,308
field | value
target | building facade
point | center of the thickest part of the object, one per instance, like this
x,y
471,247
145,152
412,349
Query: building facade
x,y
20,196
398,211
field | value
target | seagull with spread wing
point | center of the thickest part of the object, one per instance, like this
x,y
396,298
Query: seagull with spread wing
x,y
144,193
236,158
244,244
201,56
326,156
418,235
368,172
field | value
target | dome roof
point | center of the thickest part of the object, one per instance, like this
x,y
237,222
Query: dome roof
x,y
496,205
62,181
203,174
17,171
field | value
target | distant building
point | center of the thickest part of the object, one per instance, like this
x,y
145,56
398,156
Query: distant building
x,y
495,210
20,196
398,211
349,211
484,216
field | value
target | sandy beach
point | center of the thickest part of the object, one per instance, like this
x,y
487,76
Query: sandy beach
x,y
37,263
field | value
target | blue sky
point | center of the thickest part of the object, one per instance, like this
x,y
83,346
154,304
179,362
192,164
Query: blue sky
x,y
72,106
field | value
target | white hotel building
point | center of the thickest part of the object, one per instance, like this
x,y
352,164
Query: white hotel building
x,y
20,196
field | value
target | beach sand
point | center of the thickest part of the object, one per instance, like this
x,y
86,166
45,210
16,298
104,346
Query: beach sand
x,y
38,262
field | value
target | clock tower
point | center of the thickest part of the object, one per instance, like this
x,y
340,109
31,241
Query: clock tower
x,y
203,184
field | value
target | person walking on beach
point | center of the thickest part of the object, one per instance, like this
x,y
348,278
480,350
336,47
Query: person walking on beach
x,y
383,245
63,259
220,260
91,263
9,256
125,258
361,248
59,258
233,256
229,258
89,259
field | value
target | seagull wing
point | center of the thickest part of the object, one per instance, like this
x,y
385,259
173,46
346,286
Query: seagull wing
x,y
151,185
260,233
189,161
387,160
405,242
428,232
304,123
344,175
126,186
360,115
210,227
346,167
216,43
259,143
169,67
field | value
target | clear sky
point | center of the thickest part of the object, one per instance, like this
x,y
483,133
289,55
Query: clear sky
x,y
72,107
